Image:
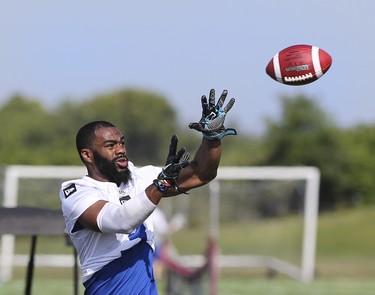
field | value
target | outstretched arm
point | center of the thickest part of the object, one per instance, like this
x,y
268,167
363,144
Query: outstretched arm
x,y
179,175
203,168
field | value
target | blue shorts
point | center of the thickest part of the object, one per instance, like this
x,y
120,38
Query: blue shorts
x,y
132,274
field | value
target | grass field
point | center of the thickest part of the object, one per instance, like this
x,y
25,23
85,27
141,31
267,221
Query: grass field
x,y
227,286
345,261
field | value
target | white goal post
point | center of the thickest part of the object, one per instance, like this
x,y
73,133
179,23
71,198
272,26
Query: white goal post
x,y
311,175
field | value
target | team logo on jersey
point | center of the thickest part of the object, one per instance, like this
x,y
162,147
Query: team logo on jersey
x,y
124,199
71,189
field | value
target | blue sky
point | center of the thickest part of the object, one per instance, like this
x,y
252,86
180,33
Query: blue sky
x,y
57,50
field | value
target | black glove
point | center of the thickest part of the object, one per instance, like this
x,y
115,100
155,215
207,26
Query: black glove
x,y
167,178
213,116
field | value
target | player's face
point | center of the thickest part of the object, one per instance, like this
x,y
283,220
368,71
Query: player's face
x,y
110,155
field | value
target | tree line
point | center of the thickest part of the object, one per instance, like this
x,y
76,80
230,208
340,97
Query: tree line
x,y
304,135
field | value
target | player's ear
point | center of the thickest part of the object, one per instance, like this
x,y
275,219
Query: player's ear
x,y
87,155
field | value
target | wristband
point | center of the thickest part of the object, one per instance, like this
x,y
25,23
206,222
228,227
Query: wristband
x,y
162,185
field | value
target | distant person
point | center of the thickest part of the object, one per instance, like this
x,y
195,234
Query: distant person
x,y
107,211
164,229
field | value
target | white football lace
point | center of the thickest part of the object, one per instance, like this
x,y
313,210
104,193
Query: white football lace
x,y
298,78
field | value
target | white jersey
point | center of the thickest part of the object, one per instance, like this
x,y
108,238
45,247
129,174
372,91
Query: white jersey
x,y
95,249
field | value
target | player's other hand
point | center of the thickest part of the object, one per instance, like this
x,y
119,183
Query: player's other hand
x,y
176,160
211,123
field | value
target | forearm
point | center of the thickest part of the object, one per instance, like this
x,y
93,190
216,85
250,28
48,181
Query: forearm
x,y
203,168
114,218
206,160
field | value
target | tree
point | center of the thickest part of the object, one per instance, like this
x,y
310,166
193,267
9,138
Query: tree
x,y
33,135
25,132
305,135
359,141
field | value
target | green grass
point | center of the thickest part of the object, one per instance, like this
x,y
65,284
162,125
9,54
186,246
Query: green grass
x,y
39,287
347,233
227,286
290,287
345,241
345,257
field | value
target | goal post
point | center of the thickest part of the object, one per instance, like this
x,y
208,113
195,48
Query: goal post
x,y
311,176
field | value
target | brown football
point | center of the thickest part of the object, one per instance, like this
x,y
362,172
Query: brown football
x,y
299,65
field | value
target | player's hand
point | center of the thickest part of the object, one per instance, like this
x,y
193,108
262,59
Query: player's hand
x,y
175,162
211,123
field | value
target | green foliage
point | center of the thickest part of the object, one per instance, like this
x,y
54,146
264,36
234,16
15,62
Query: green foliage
x,y
25,132
238,150
242,150
33,135
359,142
297,138
306,136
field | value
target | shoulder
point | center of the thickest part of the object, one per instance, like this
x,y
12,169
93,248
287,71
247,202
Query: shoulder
x,y
79,186
148,171
80,182
77,195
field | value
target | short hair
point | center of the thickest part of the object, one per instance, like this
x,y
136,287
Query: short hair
x,y
86,134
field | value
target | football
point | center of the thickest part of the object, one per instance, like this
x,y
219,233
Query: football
x,y
299,65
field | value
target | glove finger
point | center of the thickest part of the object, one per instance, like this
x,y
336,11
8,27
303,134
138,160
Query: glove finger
x,y
179,155
172,149
229,105
212,99
195,126
230,131
221,100
184,160
205,107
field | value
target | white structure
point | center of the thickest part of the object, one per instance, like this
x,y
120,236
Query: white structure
x,y
311,175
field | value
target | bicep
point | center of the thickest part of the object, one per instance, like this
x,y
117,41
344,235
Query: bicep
x,y
89,216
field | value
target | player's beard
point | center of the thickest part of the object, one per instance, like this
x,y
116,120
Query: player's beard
x,y
108,169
